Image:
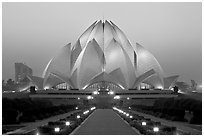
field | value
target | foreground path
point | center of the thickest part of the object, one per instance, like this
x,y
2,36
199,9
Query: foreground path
x,y
104,122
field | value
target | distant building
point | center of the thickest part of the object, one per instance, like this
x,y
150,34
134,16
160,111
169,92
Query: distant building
x,y
21,72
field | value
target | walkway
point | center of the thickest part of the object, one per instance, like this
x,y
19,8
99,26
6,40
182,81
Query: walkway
x,y
104,122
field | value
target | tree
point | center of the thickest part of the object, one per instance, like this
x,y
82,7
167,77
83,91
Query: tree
x,y
3,86
3,83
10,84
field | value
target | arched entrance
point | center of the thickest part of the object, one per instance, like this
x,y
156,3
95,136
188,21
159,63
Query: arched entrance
x,y
104,99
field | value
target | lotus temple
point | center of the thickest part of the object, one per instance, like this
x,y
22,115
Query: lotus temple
x,y
103,56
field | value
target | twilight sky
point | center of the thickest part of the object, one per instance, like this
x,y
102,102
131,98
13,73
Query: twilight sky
x,y
172,32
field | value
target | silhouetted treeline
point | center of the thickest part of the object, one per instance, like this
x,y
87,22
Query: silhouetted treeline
x,y
174,109
27,110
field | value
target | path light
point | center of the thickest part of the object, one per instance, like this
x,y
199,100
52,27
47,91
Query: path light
x,y
130,116
156,129
127,115
117,97
144,123
128,98
95,92
129,107
76,108
111,92
78,116
57,129
85,112
78,98
67,123
93,108
89,97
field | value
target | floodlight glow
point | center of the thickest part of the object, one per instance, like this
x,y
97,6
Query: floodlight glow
x,y
159,87
37,133
78,98
76,108
144,123
46,87
156,129
95,92
89,97
57,129
78,116
67,123
117,97
128,98
111,92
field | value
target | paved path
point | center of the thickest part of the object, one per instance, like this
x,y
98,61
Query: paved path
x,y
180,126
104,122
34,125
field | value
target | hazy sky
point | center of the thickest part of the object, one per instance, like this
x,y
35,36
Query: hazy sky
x,y
172,32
